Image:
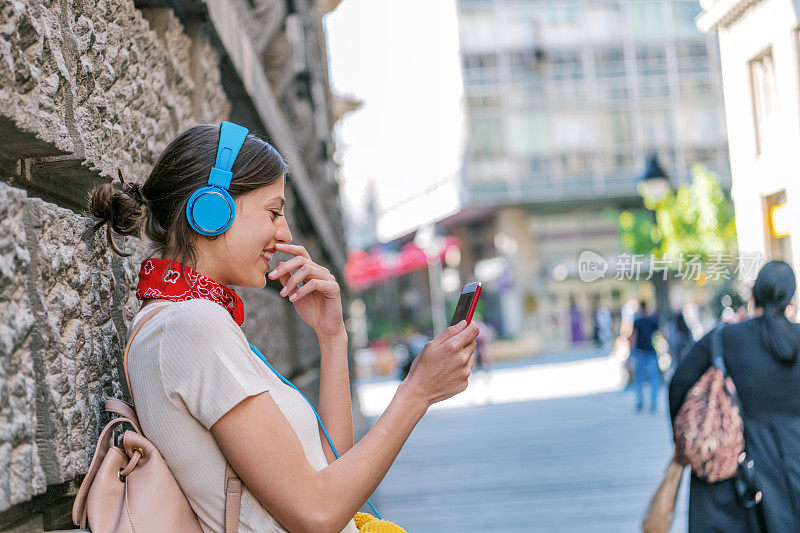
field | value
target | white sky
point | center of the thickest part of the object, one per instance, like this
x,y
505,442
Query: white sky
x,y
400,58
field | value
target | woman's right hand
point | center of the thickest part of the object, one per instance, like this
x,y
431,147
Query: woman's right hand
x,y
443,367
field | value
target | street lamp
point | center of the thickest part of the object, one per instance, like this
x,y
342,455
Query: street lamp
x,y
431,243
654,184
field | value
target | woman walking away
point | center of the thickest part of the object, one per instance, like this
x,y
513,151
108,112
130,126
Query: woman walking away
x,y
203,396
761,358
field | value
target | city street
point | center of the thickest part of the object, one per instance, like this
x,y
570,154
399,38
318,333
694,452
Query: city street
x,y
564,461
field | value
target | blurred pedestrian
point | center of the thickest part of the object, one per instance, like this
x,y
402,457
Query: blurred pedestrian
x,y
416,342
483,359
628,314
486,334
576,321
679,337
760,355
604,323
645,358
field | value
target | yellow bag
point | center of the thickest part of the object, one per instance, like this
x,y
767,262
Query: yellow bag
x,y
366,523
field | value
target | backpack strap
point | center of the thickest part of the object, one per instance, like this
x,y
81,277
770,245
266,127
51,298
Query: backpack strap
x,y
125,410
133,333
233,499
716,349
717,360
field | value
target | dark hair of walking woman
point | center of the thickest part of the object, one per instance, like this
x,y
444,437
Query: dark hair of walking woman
x,y
157,208
680,323
773,291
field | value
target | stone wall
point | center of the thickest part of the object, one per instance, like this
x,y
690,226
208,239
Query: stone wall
x,y
88,86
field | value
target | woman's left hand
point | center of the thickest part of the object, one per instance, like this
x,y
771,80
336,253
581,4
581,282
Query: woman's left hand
x,y
318,300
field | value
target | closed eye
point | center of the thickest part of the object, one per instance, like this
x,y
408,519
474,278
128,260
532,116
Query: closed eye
x,y
275,214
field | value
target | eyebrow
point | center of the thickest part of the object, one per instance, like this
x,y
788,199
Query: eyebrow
x,y
281,198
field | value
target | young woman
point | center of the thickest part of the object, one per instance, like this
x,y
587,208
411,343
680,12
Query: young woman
x,y
204,398
761,357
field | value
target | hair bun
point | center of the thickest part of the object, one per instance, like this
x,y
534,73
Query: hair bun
x,y
134,190
122,210
101,201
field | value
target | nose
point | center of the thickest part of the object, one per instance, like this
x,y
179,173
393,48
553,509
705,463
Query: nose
x,y
283,233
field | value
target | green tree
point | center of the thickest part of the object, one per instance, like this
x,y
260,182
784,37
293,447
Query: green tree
x,y
696,219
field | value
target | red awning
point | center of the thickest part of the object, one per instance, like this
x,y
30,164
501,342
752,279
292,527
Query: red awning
x,y
368,268
363,269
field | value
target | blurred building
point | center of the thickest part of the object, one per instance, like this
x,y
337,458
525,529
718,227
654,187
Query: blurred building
x,y
564,101
760,48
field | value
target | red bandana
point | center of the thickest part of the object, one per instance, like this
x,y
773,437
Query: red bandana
x,y
155,281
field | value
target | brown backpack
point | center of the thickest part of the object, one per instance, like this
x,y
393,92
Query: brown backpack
x,y
708,430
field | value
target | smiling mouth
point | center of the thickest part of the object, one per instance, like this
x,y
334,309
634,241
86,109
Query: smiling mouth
x,y
266,257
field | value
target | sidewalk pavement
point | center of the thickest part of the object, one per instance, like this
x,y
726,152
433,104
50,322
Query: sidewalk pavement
x,y
560,449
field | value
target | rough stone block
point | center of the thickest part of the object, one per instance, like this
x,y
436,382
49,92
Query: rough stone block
x,y
62,328
93,80
306,344
23,475
35,75
73,290
267,327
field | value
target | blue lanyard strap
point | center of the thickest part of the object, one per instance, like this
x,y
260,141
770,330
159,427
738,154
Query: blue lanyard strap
x,y
264,359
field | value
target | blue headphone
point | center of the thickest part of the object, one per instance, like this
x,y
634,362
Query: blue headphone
x,y
211,209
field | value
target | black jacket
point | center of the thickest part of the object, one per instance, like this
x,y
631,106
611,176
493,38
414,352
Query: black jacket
x,y
770,397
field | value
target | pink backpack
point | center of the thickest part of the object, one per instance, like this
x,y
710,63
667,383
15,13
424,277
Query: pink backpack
x,y
130,488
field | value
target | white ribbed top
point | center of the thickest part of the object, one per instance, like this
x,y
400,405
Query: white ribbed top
x,y
189,365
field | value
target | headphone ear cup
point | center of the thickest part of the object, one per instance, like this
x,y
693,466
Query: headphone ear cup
x,y
210,210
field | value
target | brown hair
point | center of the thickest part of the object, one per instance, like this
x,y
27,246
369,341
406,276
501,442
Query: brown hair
x,y
157,208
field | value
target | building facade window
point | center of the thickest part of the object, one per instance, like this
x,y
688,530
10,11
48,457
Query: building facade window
x,y
764,95
529,133
486,136
609,62
526,65
698,124
651,59
576,164
540,166
616,162
657,127
647,20
491,101
563,15
480,68
615,128
566,63
694,88
692,56
478,61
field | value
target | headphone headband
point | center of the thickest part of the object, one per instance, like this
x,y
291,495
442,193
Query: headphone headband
x,y
231,138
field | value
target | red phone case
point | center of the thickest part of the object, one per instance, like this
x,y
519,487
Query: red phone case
x,y
474,304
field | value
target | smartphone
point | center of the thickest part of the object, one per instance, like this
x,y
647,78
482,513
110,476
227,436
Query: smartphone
x,y
467,302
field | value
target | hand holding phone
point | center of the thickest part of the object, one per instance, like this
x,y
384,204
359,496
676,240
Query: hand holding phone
x,y
467,302
443,367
